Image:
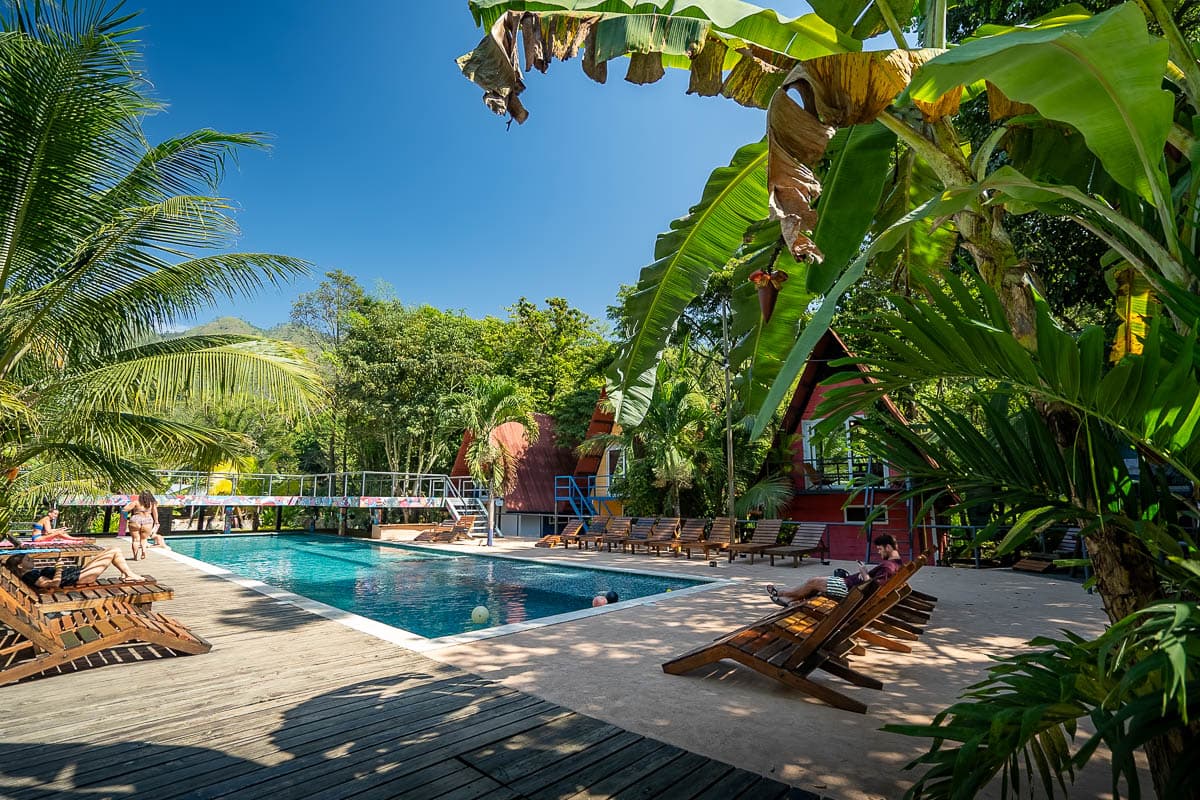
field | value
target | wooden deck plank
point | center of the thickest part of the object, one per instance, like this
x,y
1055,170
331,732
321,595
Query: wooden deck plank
x,y
517,757
621,776
554,773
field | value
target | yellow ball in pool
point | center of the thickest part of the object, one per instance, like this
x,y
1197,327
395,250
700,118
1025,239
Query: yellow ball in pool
x,y
479,615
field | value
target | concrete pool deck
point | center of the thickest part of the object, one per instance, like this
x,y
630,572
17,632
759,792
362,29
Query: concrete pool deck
x,y
605,666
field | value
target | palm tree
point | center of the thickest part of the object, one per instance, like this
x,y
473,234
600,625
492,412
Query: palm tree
x,y
671,438
490,403
100,234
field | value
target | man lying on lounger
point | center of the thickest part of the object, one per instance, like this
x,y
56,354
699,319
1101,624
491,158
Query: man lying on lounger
x,y
838,586
58,576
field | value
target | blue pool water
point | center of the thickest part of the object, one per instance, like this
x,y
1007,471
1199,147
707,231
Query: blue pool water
x,y
428,593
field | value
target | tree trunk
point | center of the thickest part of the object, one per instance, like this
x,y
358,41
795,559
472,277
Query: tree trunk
x,y
1127,582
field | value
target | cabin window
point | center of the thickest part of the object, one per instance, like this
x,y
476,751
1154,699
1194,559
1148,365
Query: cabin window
x,y
832,460
858,514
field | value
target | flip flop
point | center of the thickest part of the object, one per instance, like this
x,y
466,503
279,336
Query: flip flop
x,y
773,593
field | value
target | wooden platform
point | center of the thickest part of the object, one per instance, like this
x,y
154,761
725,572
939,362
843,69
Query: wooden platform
x,y
291,705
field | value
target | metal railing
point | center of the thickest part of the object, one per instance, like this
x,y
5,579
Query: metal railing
x,y
839,473
330,484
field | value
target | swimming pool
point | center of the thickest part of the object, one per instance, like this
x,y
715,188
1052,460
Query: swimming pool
x,y
425,592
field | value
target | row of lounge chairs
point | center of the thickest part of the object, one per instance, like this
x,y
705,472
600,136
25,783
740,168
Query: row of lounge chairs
x,y
790,644
684,536
41,630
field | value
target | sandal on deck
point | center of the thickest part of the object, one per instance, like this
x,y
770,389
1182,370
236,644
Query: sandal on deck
x,y
773,593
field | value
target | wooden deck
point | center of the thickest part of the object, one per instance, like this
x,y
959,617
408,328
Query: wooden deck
x,y
292,705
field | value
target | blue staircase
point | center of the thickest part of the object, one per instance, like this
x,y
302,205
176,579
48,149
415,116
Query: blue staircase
x,y
579,498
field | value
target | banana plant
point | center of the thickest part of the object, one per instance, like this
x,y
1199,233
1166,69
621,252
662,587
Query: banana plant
x,y
1131,438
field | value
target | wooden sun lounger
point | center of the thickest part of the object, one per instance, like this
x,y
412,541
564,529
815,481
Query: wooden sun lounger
x,y
596,528
617,532
766,534
576,537
34,643
691,535
639,534
887,631
663,535
50,554
789,645
809,538
717,539
72,598
572,529
458,530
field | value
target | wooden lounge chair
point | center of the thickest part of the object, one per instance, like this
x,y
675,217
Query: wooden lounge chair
x,y
809,538
766,534
456,531
430,534
32,643
573,533
639,534
92,595
663,535
691,535
789,645
718,537
1070,546
616,533
596,528
574,526
51,554
887,631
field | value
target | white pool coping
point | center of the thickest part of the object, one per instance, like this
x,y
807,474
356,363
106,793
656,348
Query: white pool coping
x,y
422,644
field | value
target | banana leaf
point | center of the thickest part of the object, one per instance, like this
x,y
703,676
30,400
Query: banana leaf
x,y
685,257
1102,75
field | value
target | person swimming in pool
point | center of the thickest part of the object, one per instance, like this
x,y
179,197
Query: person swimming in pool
x,y
45,531
59,576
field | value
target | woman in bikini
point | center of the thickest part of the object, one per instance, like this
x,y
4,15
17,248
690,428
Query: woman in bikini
x,y
44,530
143,522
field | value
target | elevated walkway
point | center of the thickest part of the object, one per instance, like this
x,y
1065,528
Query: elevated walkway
x,y
330,490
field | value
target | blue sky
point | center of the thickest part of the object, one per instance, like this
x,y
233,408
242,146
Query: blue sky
x,y
385,164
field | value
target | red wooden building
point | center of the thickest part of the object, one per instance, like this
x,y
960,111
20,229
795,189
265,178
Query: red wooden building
x,y
822,469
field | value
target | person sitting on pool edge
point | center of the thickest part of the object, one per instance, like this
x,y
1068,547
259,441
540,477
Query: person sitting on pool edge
x,y
58,576
837,586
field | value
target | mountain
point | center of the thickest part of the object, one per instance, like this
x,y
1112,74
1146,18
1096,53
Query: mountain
x,y
284,332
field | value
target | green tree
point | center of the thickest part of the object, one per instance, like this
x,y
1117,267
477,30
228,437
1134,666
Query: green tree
x,y
326,312
397,366
100,240
489,403
557,354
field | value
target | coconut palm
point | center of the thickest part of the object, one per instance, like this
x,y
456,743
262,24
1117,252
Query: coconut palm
x,y
489,403
101,236
670,438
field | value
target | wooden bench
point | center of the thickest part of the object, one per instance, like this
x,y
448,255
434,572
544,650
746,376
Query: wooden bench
x,y
809,538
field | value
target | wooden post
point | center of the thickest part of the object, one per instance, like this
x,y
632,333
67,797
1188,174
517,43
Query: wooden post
x,y
343,513
200,519
278,518
107,519
165,513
